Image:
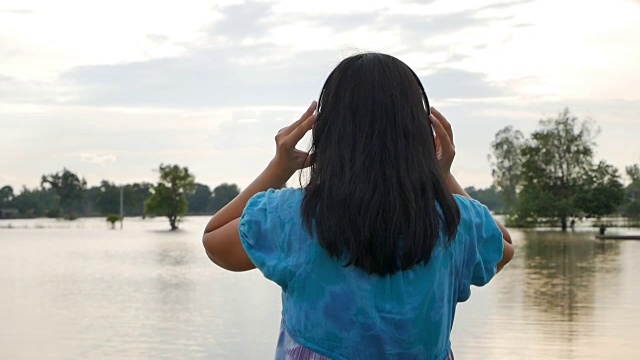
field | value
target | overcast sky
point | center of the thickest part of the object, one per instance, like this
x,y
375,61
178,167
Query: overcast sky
x,y
112,89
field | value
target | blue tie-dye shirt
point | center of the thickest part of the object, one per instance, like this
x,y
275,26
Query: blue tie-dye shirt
x,y
344,312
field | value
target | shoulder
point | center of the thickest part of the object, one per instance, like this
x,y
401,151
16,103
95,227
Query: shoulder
x,y
482,244
271,209
468,205
270,229
472,211
276,200
474,215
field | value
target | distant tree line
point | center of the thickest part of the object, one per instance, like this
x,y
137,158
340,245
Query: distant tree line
x,y
552,178
491,197
65,194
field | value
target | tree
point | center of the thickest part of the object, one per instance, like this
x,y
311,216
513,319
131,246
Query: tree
x,y
37,203
108,199
90,201
633,172
6,196
69,188
222,195
633,190
556,162
558,179
631,208
490,197
506,163
169,195
113,219
135,196
602,192
199,199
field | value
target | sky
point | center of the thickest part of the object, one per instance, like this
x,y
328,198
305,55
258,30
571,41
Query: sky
x,y
110,90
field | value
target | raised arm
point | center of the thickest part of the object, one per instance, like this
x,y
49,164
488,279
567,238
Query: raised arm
x,y
221,237
446,151
507,252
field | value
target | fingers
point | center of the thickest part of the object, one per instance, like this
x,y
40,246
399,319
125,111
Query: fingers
x,y
310,110
436,138
306,125
445,124
441,132
306,158
292,134
289,129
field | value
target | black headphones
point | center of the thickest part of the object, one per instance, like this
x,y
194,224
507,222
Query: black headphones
x,y
425,99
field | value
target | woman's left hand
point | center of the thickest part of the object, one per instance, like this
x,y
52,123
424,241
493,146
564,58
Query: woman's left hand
x,y
288,159
445,149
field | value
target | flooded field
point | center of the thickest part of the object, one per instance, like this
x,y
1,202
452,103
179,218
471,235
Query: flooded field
x,y
80,290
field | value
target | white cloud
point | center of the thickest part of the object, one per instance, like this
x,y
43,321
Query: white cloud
x,y
100,159
208,87
62,34
17,11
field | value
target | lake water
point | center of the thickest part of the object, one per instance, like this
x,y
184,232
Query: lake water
x,y
71,290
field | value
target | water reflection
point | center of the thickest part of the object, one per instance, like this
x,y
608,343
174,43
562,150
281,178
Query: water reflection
x,y
174,285
172,254
88,292
560,271
560,291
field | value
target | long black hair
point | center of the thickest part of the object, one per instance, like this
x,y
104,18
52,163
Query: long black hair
x,y
376,196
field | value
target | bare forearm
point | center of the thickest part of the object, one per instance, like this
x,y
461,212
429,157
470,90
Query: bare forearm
x,y
270,178
455,187
222,239
444,143
507,251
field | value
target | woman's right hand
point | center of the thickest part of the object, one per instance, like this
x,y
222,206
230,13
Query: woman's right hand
x,y
446,152
445,148
288,159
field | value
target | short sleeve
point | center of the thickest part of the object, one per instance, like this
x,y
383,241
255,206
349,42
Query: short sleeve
x,y
267,226
482,245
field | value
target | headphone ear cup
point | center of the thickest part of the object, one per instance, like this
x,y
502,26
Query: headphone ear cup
x,y
425,99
